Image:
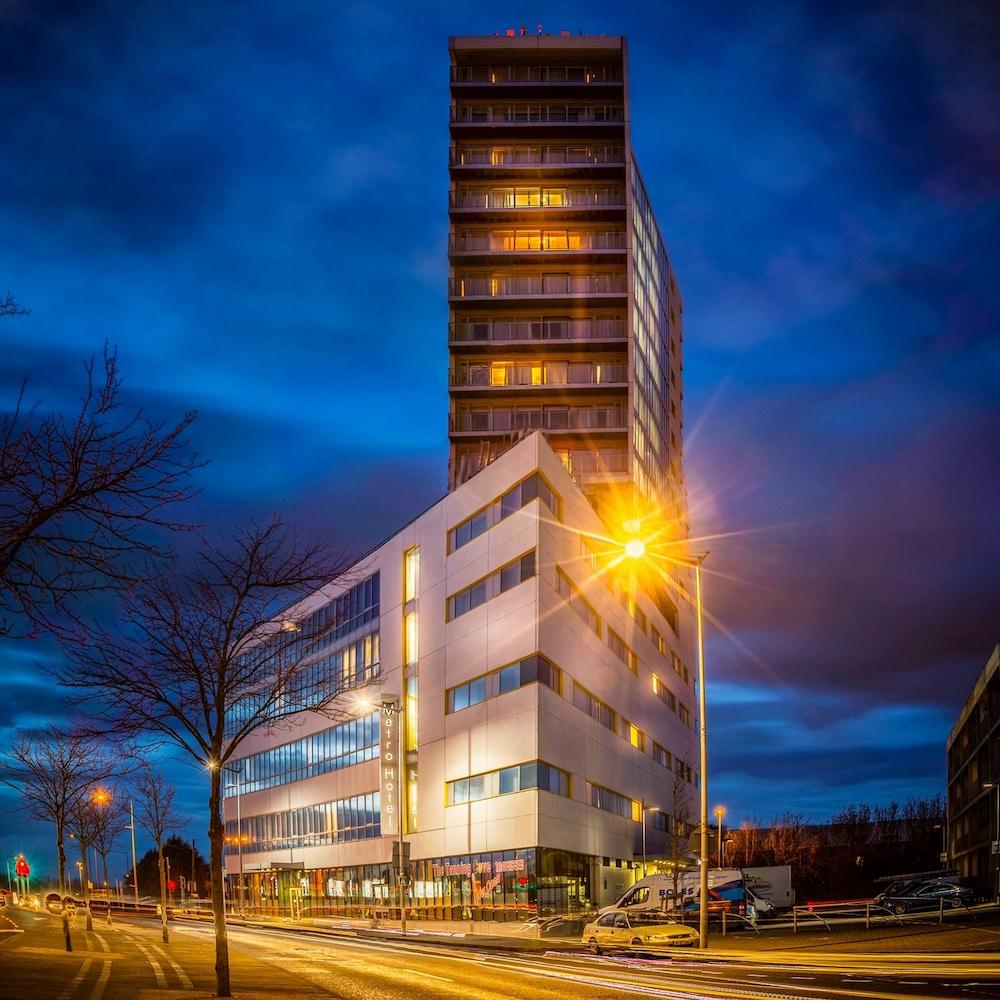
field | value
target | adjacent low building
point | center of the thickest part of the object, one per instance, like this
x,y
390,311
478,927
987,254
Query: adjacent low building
x,y
548,706
974,783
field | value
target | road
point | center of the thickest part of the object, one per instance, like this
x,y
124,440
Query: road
x,y
128,961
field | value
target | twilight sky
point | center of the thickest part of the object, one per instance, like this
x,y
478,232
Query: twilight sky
x,y
249,199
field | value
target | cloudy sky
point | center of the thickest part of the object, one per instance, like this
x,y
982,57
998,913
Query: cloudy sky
x,y
249,199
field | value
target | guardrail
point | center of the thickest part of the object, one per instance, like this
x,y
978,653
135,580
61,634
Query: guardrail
x,y
847,908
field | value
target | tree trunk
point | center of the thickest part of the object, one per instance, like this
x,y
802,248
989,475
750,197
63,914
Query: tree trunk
x,y
163,892
61,853
85,877
216,832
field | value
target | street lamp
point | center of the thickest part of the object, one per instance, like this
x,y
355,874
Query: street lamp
x,y
635,548
720,812
135,866
645,809
995,845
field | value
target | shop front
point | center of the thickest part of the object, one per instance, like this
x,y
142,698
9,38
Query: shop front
x,y
514,886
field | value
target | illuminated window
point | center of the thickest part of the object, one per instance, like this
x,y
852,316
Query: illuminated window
x,y
498,373
411,573
527,198
527,239
411,713
410,633
636,737
554,197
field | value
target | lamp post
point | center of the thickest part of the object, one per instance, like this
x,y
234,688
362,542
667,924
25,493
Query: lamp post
x,y
135,866
995,843
635,548
239,833
645,809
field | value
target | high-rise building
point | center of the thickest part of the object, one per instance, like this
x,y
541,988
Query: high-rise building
x,y
540,741
564,313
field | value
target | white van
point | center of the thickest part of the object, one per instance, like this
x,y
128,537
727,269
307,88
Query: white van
x,y
656,892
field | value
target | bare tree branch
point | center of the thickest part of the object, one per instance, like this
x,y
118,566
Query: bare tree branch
x,y
82,497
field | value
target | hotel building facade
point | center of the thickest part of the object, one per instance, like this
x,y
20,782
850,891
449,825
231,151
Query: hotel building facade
x,y
547,709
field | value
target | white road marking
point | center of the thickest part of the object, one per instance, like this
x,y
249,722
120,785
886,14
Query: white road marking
x,y
161,979
181,974
76,980
102,982
417,972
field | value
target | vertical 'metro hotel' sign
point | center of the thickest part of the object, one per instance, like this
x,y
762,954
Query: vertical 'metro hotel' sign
x,y
388,769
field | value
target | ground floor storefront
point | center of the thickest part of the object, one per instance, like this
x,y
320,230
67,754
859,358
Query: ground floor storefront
x,y
498,886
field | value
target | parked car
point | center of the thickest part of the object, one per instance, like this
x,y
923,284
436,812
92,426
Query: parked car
x,y
924,896
650,932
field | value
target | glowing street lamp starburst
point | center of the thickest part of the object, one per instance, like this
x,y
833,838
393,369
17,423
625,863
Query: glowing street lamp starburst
x,y
635,548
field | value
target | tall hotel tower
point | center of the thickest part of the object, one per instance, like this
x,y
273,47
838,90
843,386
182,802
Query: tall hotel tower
x,y
564,313
539,743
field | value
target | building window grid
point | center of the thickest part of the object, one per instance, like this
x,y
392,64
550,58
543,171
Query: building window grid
x,y
518,496
332,749
534,774
499,582
614,802
337,822
529,670
569,592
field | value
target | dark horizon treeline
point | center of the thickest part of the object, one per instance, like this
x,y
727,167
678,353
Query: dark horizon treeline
x,y
843,859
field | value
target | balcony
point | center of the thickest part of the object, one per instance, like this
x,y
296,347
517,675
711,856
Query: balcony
x,y
538,156
522,286
536,330
520,199
500,375
600,419
602,465
494,115
522,245
527,74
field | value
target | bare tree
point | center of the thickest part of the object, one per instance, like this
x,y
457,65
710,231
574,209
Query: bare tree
x,y
83,821
157,815
678,845
206,655
748,844
51,770
79,496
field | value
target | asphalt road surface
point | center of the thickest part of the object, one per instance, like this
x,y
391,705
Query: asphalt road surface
x,y
128,961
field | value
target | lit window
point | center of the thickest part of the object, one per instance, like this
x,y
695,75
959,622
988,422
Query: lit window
x,y
411,573
410,633
498,374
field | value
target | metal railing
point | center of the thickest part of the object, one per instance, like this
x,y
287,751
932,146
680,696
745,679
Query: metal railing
x,y
528,241
473,331
538,114
533,156
518,198
531,284
574,418
536,74
545,373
